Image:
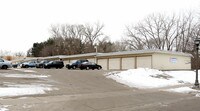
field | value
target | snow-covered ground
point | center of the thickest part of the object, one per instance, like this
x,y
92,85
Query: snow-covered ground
x,y
23,70
144,78
24,75
23,89
4,107
15,89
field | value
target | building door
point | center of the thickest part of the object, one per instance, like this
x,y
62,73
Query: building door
x,y
128,63
144,62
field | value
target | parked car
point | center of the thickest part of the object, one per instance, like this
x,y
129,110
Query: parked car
x,y
54,64
4,64
28,64
90,65
15,65
76,64
42,63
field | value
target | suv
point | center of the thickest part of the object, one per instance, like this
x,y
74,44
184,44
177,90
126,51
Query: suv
x,y
76,64
28,64
41,64
5,64
54,64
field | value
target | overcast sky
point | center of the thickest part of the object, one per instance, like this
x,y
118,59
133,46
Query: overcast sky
x,y
23,22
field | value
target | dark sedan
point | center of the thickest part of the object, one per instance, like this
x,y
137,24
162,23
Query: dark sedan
x,y
54,64
76,64
90,65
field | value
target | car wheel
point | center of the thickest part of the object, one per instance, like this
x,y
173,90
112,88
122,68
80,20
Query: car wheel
x,y
26,66
4,67
99,68
87,68
74,67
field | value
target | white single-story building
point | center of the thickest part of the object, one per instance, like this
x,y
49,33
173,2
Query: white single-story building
x,y
156,59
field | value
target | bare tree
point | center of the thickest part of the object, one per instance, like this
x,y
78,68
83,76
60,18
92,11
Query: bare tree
x,y
92,33
162,32
5,53
19,54
119,45
189,29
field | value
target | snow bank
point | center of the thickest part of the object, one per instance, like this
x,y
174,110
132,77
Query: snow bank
x,y
4,108
182,90
20,89
24,75
152,78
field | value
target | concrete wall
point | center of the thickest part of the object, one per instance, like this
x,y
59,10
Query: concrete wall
x,y
168,62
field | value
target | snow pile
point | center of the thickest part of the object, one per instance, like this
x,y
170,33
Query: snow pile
x,y
4,108
182,90
20,89
24,75
152,78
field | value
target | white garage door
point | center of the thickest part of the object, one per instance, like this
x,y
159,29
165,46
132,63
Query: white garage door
x,y
73,60
114,63
103,63
144,62
66,62
128,63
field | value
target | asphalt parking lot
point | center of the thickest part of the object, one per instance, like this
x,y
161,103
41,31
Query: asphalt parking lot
x,y
90,90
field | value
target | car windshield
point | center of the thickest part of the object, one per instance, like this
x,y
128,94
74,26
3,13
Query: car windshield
x,y
51,62
44,61
1,60
72,62
93,63
85,63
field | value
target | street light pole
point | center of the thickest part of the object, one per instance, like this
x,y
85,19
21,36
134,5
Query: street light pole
x,y
96,54
197,42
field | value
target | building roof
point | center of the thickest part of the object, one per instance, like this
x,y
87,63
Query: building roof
x,y
143,52
134,52
25,59
54,57
81,55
